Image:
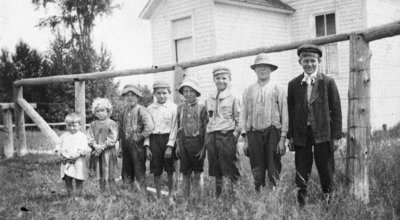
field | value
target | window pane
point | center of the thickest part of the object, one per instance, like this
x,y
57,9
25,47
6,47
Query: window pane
x,y
320,25
330,23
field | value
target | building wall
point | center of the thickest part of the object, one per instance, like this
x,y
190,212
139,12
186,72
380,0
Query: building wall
x,y
200,12
350,16
241,28
385,65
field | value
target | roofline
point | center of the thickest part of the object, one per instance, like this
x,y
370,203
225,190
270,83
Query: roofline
x,y
149,8
256,6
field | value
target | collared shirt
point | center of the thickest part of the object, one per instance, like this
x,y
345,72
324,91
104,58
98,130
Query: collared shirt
x,y
192,119
164,118
310,79
263,106
223,110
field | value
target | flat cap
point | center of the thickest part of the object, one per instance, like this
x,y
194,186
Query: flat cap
x,y
192,83
220,70
160,84
131,88
311,48
263,59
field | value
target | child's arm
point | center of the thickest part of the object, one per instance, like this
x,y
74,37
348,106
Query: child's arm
x,y
148,124
236,116
112,136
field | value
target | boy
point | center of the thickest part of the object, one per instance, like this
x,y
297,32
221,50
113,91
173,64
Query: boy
x,y
315,120
192,122
135,125
162,139
264,121
222,131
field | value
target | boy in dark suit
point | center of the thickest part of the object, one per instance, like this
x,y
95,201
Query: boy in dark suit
x,y
315,122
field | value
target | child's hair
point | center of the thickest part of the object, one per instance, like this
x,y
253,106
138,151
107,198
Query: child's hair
x,y
168,89
73,118
101,102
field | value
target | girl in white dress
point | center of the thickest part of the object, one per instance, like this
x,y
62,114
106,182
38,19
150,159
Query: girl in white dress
x,y
73,147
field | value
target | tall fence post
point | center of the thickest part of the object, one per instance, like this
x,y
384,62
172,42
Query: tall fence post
x,y
20,136
8,126
179,74
80,98
359,122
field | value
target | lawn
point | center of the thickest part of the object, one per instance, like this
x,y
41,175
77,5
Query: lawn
x,y
32,183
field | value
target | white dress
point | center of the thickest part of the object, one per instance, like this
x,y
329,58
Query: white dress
x,y
70,146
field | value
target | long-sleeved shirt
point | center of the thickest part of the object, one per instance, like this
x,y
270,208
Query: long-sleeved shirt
x,y
223,111
103,133
135,119
164,118
263,106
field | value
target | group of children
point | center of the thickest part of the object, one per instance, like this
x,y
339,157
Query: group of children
x,y
164,132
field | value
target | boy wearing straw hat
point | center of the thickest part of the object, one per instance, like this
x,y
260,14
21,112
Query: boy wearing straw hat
x,y
162,139
192,122
222,131
264,122
135,124
315,122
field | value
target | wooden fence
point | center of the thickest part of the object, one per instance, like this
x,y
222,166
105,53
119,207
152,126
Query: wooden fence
x,y
359,125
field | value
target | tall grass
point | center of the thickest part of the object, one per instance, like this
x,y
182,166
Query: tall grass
x,y
32,182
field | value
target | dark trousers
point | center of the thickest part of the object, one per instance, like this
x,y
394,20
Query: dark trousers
x,y
324,161
264,155
133,161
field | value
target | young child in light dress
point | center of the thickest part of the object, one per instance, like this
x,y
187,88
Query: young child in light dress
x,y
102,137
73,148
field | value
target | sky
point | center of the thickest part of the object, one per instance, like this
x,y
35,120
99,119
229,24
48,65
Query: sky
x,y
123,33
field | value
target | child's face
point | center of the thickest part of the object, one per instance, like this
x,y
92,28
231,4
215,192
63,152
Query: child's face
x,y
222,81
161,95
309,62
73,127
263,72
131,98
101,113
189,94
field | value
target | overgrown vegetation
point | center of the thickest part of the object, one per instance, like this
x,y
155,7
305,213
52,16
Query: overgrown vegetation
x,y
32,182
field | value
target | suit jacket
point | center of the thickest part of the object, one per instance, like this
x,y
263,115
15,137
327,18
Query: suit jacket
x,y
325,110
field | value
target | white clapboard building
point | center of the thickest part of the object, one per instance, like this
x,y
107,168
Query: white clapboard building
x,y
187,29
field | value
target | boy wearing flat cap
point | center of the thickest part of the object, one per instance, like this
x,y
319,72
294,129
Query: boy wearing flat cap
x,y
192,122
222,131
135,124
315,122
264,121
161,141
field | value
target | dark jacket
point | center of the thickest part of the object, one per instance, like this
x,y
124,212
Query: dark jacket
x,y
325,110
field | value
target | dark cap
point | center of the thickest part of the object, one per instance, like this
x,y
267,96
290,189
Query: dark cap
x,y
221,70
311,48
131,88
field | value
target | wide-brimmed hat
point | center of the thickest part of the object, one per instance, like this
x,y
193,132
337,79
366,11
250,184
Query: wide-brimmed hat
x,y
221,70
263,59
311,48
131,88
192,83
161,84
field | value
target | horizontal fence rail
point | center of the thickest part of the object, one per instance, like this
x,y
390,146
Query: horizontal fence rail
x,y
370,34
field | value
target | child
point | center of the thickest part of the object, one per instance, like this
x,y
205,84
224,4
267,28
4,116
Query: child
x,y
72,148
162,139
135,124
222,131
264,121
192,122
102,137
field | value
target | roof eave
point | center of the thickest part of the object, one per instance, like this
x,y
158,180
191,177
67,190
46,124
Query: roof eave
x,y
149,9
256,6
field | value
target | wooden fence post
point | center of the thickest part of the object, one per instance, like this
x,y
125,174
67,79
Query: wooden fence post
x,y
359,122
80,98
20,136
8,126
179,74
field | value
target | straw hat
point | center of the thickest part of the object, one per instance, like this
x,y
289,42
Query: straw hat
x,y
263,59
192,83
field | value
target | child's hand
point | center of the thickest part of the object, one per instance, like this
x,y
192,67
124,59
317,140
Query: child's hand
x,y
178,154
201,154
168,152
119,152
149,155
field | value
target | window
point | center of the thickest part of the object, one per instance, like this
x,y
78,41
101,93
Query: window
x,y
325,25
182,39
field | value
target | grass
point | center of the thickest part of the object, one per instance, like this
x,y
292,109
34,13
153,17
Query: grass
x,y
32,182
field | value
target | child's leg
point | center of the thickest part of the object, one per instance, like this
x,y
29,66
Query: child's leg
x,y
68,185
198,182
218,186
102,184
157,183
170,184
186,186
79,186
